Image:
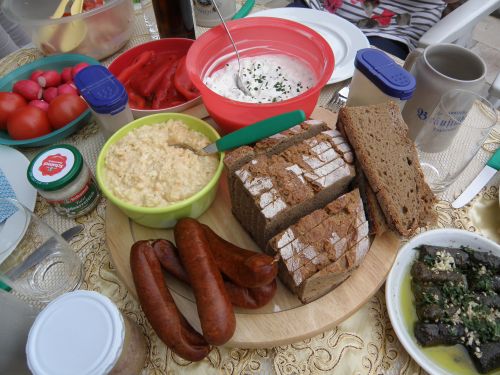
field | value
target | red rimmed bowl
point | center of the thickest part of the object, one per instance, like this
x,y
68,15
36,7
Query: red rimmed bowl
x,y
176,46
253,37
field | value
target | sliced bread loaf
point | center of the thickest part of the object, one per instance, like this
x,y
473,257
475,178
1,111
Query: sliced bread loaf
x,y
388,157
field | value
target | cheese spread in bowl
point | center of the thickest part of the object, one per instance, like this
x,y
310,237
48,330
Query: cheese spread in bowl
x,y
144,169
267,79
153,182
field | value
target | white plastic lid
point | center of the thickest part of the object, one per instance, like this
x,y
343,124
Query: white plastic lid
x,y
78,333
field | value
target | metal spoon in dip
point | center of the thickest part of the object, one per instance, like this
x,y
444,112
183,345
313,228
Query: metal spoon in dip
x,y
250,134
239,81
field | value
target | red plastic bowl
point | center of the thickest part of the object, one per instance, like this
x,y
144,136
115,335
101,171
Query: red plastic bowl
x,y
253,37
180,45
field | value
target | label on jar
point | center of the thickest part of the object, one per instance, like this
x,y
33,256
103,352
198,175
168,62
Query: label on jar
x,y
53,165
80,203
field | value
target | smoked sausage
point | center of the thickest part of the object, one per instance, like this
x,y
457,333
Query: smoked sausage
x,y
169,259
214,307
244,267
248,298
159,307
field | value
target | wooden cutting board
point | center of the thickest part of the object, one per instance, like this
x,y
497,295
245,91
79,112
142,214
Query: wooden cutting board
x,y
285,319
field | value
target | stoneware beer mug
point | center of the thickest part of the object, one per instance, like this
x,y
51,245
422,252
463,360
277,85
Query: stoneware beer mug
x,y
437,70
206,15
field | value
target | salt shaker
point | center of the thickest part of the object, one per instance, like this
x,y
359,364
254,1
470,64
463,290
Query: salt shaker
x,y
106,96
377,79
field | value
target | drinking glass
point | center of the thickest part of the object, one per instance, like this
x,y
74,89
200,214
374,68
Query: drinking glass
x,y
35,261
452,135
17,319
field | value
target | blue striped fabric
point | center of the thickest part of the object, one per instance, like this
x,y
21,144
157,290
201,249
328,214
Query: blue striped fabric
x,y
6,209
400,20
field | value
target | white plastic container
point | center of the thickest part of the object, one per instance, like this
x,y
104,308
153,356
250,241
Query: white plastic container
x,y
106,96
377,79
83,332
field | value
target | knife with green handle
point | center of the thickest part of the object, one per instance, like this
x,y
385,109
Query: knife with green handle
x,y
490,169
253,133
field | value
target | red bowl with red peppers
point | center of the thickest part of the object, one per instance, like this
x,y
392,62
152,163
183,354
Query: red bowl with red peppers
x,y
155,77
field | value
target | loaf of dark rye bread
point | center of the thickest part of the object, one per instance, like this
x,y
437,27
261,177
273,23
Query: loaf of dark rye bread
x,y
272,191
379,137
322,249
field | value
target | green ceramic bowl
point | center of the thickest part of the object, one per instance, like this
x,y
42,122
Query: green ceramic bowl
x,y
56,62
163,217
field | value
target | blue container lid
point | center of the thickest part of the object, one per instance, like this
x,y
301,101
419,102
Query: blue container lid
x,y
102,91
388,76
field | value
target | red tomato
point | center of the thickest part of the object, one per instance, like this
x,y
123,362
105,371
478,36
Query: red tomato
x,y
64,109
28,122
9,102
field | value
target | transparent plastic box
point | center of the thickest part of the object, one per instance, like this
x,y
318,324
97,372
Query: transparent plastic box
x,y
98,33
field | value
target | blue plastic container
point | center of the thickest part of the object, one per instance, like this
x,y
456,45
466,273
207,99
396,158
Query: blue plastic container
x,y
378,78
106,96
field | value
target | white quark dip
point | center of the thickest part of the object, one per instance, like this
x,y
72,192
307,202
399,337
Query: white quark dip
x,y
268,78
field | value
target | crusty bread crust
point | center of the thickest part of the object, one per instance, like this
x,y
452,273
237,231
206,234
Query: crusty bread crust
x,y
376,218
388,157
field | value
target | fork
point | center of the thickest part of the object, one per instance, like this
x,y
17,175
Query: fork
x,y
339,98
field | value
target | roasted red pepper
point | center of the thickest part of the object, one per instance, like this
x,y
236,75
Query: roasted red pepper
x,y
182,82
162,70
166,89
137,64
136,101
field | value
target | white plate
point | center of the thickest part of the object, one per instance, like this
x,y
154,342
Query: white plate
x,y
14,166
344,38
402,266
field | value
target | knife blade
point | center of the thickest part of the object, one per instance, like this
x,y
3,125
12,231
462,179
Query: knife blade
x,y
255,132
41,252
490,169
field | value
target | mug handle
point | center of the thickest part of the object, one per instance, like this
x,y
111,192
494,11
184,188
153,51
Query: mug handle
x,y
412,58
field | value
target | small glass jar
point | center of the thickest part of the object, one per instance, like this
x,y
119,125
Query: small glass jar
x,y
61,176
83,332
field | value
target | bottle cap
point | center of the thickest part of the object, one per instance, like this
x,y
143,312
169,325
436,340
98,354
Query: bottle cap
x,y
101,90
389,77
55,167
78,333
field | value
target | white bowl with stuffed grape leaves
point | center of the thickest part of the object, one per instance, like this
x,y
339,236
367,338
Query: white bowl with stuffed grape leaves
x,y
443,299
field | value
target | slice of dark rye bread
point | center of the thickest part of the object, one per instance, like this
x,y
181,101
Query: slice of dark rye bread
x,y
379,137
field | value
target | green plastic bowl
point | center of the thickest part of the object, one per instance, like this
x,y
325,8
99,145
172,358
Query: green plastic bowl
x,y
56,62
163,217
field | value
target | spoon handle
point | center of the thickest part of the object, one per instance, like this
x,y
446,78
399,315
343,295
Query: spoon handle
x,y
227,30
261,129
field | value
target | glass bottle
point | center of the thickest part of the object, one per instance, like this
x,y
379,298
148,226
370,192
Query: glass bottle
x,y
174,18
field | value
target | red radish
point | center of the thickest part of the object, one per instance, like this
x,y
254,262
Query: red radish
x,y
29,90
67,88
49,94
66,74
43,105
78,67
34,76
50,78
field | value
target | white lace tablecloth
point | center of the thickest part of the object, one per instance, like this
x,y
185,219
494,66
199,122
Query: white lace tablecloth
x,y
363,344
